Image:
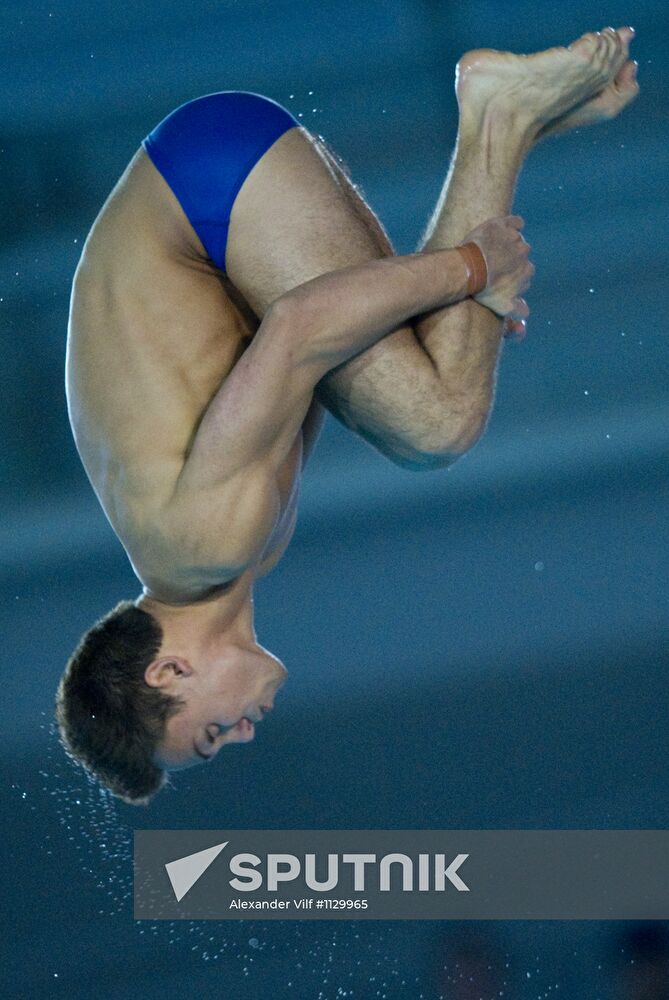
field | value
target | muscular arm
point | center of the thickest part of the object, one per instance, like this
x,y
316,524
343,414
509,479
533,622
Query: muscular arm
x,y
249,428
298,216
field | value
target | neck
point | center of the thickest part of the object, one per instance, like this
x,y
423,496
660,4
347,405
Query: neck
x,y
227,609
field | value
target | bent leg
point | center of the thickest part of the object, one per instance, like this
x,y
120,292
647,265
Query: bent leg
x,y
296,217
423,394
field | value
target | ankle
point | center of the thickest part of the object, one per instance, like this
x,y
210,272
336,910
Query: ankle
x,y
498,130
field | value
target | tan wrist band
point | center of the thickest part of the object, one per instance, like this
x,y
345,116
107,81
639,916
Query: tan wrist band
x,y
477,271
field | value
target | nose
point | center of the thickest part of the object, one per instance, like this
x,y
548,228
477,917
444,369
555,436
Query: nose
x,y
243,732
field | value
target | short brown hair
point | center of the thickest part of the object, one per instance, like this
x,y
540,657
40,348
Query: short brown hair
x,y
110,719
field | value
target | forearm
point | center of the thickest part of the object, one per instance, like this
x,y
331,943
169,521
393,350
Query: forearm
x,y
345,312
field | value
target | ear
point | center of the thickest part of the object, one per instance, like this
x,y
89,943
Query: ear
x,y
164,671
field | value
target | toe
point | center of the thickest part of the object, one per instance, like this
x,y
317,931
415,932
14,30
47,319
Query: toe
x,y
622,91
626,80
586,44
626,35
619,51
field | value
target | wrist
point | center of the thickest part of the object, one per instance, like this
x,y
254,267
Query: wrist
x,y
477,270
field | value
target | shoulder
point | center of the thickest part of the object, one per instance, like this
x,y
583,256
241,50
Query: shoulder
x,y
174,566
186,591
198,541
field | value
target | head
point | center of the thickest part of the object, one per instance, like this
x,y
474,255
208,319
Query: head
x,y
128,710
223,690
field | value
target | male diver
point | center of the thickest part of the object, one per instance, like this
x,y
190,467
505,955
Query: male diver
x,y
233,284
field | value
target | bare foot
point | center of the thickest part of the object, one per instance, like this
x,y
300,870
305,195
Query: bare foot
x,y
539,88
608,103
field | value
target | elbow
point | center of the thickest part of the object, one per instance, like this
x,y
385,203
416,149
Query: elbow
x,y
300,309
293,319
282,318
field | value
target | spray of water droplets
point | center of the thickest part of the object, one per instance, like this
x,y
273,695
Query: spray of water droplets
x,y
330,961
344,960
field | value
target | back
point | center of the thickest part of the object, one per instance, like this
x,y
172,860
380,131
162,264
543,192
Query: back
x,y
153,332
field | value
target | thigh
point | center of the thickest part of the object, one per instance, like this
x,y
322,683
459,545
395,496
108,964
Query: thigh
x,y
296,216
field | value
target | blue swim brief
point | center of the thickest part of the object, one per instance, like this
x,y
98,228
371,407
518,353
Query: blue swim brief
x,y
205,149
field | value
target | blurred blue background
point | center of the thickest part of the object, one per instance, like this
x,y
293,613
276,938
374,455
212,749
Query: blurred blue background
x,y
481,647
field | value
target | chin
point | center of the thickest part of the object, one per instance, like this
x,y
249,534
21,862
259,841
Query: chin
x,y
170,763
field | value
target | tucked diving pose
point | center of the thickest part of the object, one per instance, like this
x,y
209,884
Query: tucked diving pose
x,y
234,284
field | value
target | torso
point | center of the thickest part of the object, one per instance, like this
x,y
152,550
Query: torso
x,y
154,330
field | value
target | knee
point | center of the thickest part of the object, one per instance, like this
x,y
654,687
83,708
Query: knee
x,y
439,443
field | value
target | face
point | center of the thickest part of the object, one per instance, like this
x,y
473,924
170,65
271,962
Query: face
x,y
224,700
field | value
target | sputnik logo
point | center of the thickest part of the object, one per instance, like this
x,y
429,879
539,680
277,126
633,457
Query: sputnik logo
x,y
184,872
